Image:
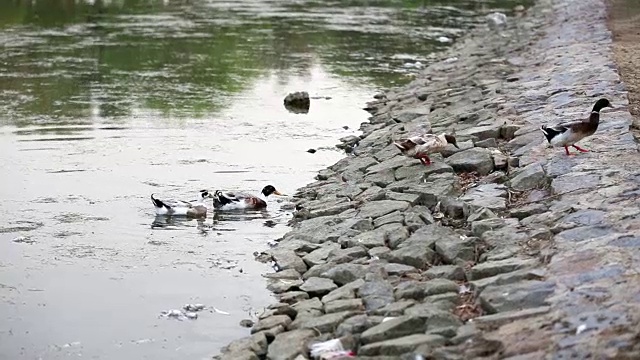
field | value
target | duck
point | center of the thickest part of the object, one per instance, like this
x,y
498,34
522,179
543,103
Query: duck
x,y
569,133
182,208
420,146
227,200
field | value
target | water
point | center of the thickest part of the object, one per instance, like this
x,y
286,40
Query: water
x,y
104,102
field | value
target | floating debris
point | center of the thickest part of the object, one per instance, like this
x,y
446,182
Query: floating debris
x,y
444,39
247,323
216,310
179,314
193,307
24,240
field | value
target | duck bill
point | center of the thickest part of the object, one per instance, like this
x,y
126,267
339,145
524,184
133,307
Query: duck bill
x,y
278,193
456,145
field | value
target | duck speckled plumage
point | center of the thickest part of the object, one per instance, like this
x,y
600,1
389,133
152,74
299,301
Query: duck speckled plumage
x,y
227,200
420,146
182,208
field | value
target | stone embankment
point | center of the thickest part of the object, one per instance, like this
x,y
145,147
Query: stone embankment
x,y
504,248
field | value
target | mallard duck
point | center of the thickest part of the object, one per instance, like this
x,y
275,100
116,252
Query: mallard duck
x,y
569,133
420,146
182,208
227,200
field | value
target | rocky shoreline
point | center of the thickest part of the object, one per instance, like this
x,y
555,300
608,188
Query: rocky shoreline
x,y
503,248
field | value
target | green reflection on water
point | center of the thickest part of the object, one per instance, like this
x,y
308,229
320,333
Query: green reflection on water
x,y
69,62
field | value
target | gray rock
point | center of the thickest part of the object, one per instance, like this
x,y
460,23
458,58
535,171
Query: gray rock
x,y
316,286
419,290
511,316
369,239
453,208
395,309
409,115
492,268
481,132
354,325
399,269
376,294
256,343
415,254
345,273
381,178
393,328
271,322
481,214
343,305
287,259
508,131
374,193
480,227
309,304
239,355
341,256
288,345
530,177
475,159
282,309
379,252
527,210
442,320
490,196
464,333
500,162
449,272
417,217
290,274
487,143
400,346
292,297
347,291
462,145
325,324
282,285
508,278
318,270
319,256
453,248
394,217
522,295
376,209
395,233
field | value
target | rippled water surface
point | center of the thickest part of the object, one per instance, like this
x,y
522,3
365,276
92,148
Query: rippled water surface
x,y
104,102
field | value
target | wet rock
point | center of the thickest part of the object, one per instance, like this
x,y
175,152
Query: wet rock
x,y
271,322
348,142
288,345
287,259
376,209
297,102
347,291
453,248
530,177
239,355
343,305
325,324
376,294
320,255
256,343
450,272
492,268
399,346
316,286
293,297
343,274
419,290
523,295
527,210
475,159
283,285
490,196
480,227
393,328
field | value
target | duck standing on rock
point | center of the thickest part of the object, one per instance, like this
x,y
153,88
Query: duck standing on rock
x,y
420,146
182,208
226,200
569,133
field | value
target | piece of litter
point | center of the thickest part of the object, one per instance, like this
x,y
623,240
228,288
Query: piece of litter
x,y
220,311
464,289
581,328
329,349
23,240
191,315
388,318
193,307
179,314
444,39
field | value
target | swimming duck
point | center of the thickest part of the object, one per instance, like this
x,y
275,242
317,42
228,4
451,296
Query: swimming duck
x,y
569,133
226,200
182,208
420,146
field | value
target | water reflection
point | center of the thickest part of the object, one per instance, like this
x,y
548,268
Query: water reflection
x,y
80,61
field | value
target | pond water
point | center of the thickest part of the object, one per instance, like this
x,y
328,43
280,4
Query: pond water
x,y
104,102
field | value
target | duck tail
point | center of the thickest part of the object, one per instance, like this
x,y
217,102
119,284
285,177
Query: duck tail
x,y
158,203
549,133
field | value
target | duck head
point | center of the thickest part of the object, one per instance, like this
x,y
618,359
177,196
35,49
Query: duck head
x,y
600,104
204,194
269,189
451,140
